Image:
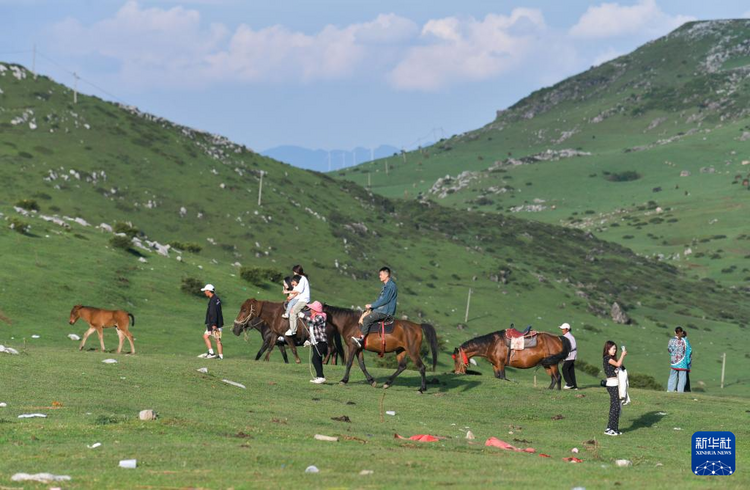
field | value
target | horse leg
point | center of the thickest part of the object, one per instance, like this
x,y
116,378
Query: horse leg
x,y
499,371
552,377
85,336
557,375
368,376
100,332
417,360
262,349
270,349
349,362
120,338
130,339
294,350
283,354
402,360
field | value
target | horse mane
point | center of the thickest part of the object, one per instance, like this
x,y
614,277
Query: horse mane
x,y
482,340
337,310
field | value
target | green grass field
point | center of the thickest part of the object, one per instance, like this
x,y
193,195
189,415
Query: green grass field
x,y
213,435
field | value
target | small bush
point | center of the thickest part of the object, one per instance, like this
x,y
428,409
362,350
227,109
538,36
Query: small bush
x,y
120,242
591,328
19,226
260,275
28,204
636,380
587,368
127,228
626,176
186,246
192,286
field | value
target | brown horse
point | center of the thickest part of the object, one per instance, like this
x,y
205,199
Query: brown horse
x,y
99,319
406,339
269,313
272,338
549,351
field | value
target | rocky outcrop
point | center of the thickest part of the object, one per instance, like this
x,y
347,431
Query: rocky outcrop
x,y
618,314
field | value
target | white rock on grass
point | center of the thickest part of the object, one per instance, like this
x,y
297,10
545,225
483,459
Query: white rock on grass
x,y
202,370
623,463
73,336
3,404
238,385
390,412
35,337
470,435
312,469
94,445
147,415
32,416
366,472
321,437
40,477
110,361
8,350
128,463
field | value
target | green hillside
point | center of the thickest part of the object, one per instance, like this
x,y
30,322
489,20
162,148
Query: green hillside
x,y
650,150
96,162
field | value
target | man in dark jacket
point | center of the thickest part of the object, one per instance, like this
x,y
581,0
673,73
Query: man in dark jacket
x,y
214,322
383,307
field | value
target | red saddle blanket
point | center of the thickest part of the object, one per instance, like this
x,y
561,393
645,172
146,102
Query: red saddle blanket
x,y
513,333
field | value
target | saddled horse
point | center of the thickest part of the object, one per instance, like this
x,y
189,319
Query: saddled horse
x,y
99,319
272,338
269,313
405,340
549,351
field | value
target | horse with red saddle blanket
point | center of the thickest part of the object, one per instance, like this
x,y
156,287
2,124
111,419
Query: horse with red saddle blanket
x,y
515,349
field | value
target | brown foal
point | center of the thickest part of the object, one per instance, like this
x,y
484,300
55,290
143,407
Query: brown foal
x,y
99,319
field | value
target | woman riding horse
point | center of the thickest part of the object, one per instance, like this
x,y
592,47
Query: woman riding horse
x,y
549,351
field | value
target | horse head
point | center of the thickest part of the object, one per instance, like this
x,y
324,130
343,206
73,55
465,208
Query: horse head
x,y
249,309
75,313
460,361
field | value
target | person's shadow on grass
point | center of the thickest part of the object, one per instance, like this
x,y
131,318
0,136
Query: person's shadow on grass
x,y
645,421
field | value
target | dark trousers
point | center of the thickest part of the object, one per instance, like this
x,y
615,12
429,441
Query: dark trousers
x,y
319,352
687,381
614,408
569,373
373,317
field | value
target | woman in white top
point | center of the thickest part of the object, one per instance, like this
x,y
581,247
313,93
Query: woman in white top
x,y
300,296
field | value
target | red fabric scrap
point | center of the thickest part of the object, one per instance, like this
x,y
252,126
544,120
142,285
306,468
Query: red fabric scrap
x,y
495,442
418,437
544,455
572,460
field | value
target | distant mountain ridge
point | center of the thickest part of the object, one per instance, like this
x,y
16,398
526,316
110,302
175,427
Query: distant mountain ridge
x,y
318,160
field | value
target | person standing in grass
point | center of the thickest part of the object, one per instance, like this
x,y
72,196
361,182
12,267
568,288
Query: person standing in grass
x,y
214,322
609,363
317,321
680,354
568,367
382,308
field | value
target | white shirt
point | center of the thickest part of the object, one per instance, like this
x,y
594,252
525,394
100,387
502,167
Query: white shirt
x,y
303,288
573,347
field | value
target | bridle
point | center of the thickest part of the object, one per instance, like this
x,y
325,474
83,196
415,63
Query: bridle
x,y
464,358
244,322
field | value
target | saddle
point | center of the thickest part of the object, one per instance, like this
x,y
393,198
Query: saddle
x,y
386,323
518,341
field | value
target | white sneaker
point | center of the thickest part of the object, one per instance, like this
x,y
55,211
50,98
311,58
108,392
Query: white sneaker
x,y
289,333
318,381
566,387
610,432
211,356
285,315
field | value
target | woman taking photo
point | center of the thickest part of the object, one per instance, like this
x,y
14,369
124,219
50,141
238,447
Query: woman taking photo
x,y
609,355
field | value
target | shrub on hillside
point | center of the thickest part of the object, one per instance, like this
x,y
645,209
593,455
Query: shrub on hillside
x,y
587,368
19,226
127,228
28,204
644,381
120,242
260,275
626,176
186,246
192,286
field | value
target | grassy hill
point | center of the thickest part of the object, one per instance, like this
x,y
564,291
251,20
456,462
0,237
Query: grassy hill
x,y
649,150
101,163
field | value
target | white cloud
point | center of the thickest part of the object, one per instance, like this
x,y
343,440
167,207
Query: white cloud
x,y
607,55
612,20
456,49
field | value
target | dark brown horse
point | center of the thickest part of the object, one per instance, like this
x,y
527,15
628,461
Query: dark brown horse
x,y
405,340
272,338
253,310
549,351
99,319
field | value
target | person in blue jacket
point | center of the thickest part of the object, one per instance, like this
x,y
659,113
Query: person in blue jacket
x,y
383,307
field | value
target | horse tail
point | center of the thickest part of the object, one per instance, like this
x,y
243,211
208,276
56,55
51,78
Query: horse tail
x,y
556,358
431,335
132,319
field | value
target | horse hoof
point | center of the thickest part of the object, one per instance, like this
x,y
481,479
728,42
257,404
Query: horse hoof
x,y
342,383
386,386
374,384
420,392
297,361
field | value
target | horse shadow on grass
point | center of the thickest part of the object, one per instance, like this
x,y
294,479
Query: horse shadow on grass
x,y
645,421
441,383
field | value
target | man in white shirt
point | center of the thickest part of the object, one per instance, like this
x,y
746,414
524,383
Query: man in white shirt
x,y
568,368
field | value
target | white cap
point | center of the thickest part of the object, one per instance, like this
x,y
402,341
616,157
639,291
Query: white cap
x,y
209,287
564,326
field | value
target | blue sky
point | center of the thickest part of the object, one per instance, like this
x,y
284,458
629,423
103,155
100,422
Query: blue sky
x,y
331,73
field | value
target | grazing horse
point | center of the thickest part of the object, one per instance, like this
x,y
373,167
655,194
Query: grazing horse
x,y
272,338
549,351
406,339
269,313
99,319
